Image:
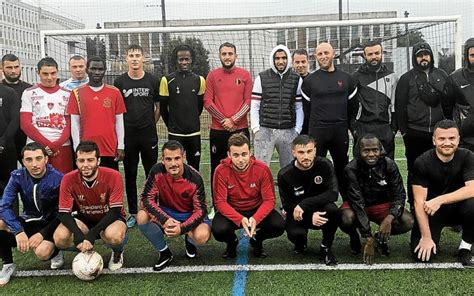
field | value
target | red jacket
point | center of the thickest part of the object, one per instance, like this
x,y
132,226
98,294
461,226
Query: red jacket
x,y
242,191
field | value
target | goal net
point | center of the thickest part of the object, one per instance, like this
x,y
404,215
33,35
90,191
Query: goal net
x,y
254,43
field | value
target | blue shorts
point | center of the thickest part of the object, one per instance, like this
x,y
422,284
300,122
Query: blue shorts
x,y
181,217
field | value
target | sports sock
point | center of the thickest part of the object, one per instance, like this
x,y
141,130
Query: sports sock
x,y
464,245
119,248
154,234
190,240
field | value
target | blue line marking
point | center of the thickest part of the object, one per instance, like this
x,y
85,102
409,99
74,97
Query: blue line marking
x,y
240,276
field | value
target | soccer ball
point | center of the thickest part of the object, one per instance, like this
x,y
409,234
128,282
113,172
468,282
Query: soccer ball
x,y
87,266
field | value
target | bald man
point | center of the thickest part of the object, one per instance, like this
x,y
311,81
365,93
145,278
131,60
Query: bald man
x,y
329,91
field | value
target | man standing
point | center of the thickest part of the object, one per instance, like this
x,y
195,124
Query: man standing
x,y
182,95
96,111
376,86
301,66
141,96
308,190
43,116
418,100
173,204
96,194
460,97
244,197
77,67
38,185
276,112
227,99
12,73
330,92
443,190
375,194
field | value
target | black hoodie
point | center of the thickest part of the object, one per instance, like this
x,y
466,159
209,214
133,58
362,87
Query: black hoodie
x,y
459,104
419,94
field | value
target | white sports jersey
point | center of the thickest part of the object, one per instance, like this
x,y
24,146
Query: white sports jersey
x,y
48,110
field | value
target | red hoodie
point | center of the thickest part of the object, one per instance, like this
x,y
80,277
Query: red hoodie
x,y
236,191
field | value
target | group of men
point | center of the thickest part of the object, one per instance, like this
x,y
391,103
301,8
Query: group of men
x,y
304,115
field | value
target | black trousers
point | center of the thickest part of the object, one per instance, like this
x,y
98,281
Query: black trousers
x,y
335,140
138,143
192,147
218,146
416,143
297,231
460,213
224,229
8,163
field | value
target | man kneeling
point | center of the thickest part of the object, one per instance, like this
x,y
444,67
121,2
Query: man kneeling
x,y
244,197
173,202
375,193
38,185
96,193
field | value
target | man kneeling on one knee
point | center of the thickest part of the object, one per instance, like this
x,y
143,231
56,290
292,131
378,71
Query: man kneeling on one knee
x,y
375,193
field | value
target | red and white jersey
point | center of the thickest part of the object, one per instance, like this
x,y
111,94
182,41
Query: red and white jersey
x,y
48,108
91,203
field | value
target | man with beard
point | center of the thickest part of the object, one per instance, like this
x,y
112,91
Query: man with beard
x,y
140,92
91,206
301,66
182,95
330,91
308,190
77,67
460,97
376,86
418,100
227,99
443,190
12,73
276,112
375,194
174,203
244,197
96,111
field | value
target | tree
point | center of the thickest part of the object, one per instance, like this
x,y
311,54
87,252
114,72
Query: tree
x,y
95,47
415,36
447,63
200,64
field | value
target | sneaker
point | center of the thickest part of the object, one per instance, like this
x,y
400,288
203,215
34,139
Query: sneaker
x,y
191,250
231,250
57,261
7,271
165,259
355,245
382,246
116,261
465,257
300,249
131,221
327,256
257,248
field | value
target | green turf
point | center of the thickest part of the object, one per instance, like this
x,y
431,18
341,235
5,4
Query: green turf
x,y
139,253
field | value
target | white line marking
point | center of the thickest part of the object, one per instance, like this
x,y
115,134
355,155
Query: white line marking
x,y
266,267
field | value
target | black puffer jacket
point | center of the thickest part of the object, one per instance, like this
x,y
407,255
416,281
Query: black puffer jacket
x,y
373,185
419,94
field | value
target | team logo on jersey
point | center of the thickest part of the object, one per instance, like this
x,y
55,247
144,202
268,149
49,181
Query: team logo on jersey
x,y
50,105
382,183
318,180
107,103
102,198
339,82
80,197
238,81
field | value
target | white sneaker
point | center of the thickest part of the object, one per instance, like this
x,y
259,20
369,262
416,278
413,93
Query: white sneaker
x,y
116,261
57,261
7,271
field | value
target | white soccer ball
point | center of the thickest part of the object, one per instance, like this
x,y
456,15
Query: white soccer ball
x,y
87,266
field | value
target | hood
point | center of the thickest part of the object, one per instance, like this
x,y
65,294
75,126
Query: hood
x,y
468,44
288,56
421,46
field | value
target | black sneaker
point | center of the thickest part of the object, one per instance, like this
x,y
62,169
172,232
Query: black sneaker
x,y
465,257
382,246
355,245
165,259
327,256
257,249
231,250
300,249
191,250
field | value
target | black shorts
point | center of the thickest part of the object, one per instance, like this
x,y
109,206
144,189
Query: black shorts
x,y
33,227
